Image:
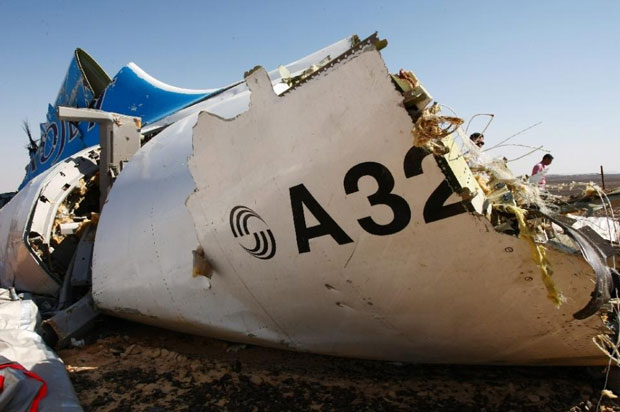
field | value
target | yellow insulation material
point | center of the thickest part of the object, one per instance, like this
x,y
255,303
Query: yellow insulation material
x,y
409,77
590,190
483,180
608,346
430,128
539,254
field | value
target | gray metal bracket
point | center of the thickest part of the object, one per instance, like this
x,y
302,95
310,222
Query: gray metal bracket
x,y
72,322
119,138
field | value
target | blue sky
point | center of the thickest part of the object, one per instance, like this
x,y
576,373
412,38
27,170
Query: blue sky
x,y
529,61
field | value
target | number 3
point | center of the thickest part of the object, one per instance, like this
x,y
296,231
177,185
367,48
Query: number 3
x,y
383,196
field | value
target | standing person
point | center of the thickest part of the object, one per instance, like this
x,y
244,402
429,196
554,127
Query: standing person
x,y
539,171
473,158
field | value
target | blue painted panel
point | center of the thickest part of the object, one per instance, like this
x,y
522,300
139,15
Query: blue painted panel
x,y
132,92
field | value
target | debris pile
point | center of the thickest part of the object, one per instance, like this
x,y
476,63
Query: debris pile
x,y
74,215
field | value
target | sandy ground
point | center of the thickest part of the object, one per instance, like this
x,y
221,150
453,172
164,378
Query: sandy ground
x,y
130,367
567,185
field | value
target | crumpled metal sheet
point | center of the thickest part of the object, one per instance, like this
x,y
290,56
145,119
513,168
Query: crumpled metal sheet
x,y
606,227
603,282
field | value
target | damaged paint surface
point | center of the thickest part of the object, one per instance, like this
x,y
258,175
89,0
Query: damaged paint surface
x,y
413,275
329,207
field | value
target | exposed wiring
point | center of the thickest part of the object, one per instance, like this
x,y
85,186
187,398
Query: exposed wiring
x,y
527,154
522,145
516,134
447,107
492,116
600,399
608,369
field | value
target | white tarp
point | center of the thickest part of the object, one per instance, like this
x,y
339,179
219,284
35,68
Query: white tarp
x,y
20,343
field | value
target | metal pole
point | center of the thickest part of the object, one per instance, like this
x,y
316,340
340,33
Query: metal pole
x,y
602,177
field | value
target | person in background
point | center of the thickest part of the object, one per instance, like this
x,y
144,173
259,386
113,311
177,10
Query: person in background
x,y
539,171
477,139
473,158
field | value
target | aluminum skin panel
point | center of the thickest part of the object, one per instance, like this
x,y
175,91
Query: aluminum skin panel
x,y
319,242
145,230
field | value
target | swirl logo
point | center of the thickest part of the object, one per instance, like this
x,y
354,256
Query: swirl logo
x,y
264,242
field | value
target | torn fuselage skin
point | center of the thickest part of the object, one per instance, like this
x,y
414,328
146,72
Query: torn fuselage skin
x,y
50,257
352,205
50,212
512,205
517,208
66,206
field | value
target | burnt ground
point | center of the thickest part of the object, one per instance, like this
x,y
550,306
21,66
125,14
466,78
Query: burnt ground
x,y
130,367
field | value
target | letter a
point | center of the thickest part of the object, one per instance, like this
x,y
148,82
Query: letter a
x,y
300,196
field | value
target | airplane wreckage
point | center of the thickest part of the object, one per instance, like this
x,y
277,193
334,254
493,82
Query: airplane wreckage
x,y
326,206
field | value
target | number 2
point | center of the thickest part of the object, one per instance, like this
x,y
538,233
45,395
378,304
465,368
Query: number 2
x,y
434,208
